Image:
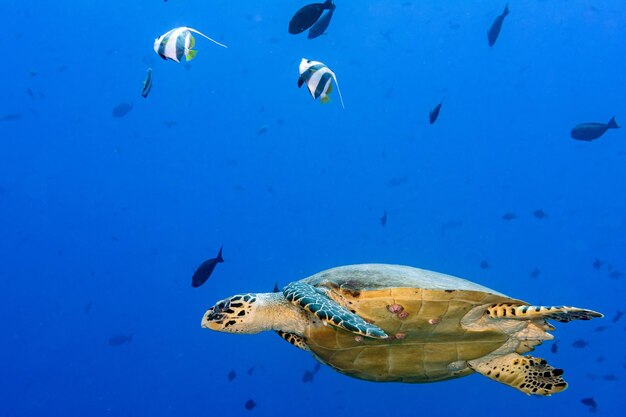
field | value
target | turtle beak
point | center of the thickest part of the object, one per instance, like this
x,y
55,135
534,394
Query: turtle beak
x,y
214,317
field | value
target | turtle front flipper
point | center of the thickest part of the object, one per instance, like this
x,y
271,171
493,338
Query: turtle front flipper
x,y
562,314
317,302
530,375
294,339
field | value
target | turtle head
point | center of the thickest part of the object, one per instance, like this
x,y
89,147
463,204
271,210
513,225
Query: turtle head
x,y
235,314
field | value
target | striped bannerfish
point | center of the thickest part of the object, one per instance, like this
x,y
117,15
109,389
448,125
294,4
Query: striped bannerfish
x,y
178,43
318,78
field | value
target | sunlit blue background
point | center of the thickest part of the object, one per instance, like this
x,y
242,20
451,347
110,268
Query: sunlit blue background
x,y
105,219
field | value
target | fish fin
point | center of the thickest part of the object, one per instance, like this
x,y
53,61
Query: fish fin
x,y
338,90
300,82
205,36
506,10
612,123
330,89
192,42
328,4
325,99
191,54
219,255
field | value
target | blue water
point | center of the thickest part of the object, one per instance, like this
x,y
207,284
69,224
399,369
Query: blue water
x,y
105,219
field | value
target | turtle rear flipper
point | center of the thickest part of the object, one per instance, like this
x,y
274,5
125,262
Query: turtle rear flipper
x,y
562,314
317,302
530,375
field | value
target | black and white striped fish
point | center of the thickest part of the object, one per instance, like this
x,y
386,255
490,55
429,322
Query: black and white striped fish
x,y
178,43
318,79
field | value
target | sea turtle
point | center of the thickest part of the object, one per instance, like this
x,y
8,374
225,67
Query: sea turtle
x,y
397,323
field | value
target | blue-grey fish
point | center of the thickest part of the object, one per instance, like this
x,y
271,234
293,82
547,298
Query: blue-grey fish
x,y
494,31
147,84
120,339
434,113
320,27
205,270
178,43
307,16
318,79
592,131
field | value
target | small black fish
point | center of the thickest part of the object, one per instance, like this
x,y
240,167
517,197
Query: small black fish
x,y
251,370
383,219
540,214
397,181
147,84
307,377
494,31
232,375
610,377
317,367
434,113
555,347
484,264
618,315
121,109
262,130
589,402
11,117
592,131
535,273
276,289
250,404
120,339
597,264
320,27
600,328
580,343
615,274
307,16
205,270
509,216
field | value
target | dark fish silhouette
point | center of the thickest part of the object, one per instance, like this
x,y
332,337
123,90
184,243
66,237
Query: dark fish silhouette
x,y
535,273
540,214
11,117
610,377
484,264
590,402
121,109
147,84
383,219
597,264
509,216
320,27
205,270
600,328
276,289
618,315
307,16
307,377
232,375
250,404
555,347
120,339
580,343
434,113
592,131
494,31
615,274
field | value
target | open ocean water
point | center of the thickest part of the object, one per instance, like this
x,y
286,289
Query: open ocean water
x,y
109,201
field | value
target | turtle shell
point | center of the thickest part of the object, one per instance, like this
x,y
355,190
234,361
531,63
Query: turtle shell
x,y
420,310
